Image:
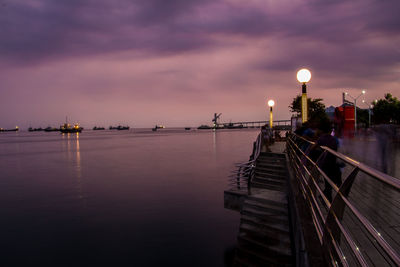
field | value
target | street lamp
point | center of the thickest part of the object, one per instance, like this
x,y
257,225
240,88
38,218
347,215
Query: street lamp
x,y
369,113
271,103
355,108
304,76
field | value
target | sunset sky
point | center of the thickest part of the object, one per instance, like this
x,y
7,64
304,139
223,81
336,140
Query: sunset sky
x,y
176,62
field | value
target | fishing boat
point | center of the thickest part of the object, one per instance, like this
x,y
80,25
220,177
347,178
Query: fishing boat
x,y
16,129
233,126
51,129
119,128
68,128
95,128
203,127
30,129
158,127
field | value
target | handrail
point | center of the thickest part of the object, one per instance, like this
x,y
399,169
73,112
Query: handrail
x,y
371,171
332,225
245,171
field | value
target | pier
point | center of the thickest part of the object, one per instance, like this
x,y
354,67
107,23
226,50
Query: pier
x,y
288,220
278,124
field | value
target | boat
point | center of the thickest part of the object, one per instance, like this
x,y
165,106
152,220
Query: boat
x,y
158,127
16,129
68,128
232,126
95,128
187,128
119,128
30,129
203,127
51,129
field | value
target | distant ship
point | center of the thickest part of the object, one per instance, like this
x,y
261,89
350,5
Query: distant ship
x,y
158,127
30,129
119,128
16,129
203,127
68,128
51,129
187,128
95,128
232,126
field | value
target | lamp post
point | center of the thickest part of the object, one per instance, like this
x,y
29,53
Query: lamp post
x,y
369,113
271,103
355,107
304,76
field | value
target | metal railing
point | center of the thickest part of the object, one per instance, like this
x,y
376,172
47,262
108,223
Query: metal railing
x,y
241,177
361,224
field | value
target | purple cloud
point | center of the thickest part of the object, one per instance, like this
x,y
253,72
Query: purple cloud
x,y
223,54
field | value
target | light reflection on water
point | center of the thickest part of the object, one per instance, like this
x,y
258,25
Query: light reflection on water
x,y
118,198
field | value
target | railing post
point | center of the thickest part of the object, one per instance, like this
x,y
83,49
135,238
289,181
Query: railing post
x,y
238,177
336,211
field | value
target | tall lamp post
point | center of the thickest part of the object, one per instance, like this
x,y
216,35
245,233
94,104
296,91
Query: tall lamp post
x,y
271,103
369,113
304,76
355,107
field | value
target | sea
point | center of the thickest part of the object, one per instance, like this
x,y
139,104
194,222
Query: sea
x,y
119,198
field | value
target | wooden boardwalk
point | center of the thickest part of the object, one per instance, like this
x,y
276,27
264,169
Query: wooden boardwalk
x,y
264,237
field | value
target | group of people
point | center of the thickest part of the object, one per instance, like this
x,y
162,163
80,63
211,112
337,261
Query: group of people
x,y
323,135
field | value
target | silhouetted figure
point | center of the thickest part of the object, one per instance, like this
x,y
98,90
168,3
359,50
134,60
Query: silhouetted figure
x,y
307,133
328,164
266,137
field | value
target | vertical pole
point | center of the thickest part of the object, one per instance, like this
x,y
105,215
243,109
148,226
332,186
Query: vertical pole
x,y
304,108
369,117
355,116
270,118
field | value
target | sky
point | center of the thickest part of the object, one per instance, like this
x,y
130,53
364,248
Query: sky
x,y
177,62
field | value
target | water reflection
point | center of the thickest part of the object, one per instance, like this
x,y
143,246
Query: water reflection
x,y
214,136
74,159
78,168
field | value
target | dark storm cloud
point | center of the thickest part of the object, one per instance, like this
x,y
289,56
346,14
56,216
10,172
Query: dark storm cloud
x,y
354,38
39,30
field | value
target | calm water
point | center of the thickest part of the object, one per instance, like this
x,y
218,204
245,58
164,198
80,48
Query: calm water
x,y
118,198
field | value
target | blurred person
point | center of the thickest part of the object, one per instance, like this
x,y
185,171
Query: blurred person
x,y
385,135
328,164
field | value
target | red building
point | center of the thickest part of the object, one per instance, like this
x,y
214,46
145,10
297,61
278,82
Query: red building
x,y
344,120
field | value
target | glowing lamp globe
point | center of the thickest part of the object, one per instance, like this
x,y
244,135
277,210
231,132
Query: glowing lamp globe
x,y
271,103
304,75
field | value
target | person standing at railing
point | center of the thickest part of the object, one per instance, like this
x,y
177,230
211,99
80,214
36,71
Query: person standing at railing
x,y
328,164
308,133
266,137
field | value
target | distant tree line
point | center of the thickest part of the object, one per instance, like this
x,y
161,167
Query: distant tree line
x,y
386,110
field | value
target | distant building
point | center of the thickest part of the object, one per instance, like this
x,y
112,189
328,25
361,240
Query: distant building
x,y
330,112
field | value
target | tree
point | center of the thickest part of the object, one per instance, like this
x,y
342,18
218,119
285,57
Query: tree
x,y
315,106
386,110
316,110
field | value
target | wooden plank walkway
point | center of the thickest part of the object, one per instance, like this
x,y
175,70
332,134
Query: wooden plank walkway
x,y
264,237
